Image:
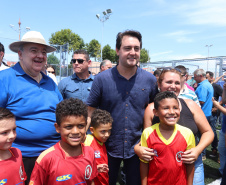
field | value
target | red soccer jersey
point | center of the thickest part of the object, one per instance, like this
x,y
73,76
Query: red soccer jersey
x,y
167,168
12,169
54,167
101,158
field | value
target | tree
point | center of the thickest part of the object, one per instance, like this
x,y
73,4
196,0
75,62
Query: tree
x,y
108,53
143,56
94,48
67,36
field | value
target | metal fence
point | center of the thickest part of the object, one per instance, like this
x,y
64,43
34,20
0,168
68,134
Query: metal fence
x,y
217,65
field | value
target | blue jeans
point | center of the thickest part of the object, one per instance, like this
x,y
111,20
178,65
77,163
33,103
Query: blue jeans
x,y
199,172
131,169
222,151
213,121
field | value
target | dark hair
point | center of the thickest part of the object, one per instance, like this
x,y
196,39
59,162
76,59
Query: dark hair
x,y
161,77
49,65
82,51
100,117
131,33
70,107
2,48
157,72
6,114
182,69
210,73
163,95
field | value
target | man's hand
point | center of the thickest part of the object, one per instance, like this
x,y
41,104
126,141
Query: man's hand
x,y
102,168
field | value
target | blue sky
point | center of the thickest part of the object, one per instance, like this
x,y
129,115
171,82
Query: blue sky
x,y
171,29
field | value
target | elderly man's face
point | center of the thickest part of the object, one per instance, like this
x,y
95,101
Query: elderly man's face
x,y
108,65
33,58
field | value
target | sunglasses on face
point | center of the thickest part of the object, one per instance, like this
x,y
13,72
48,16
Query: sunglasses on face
x,y
51,72
80,61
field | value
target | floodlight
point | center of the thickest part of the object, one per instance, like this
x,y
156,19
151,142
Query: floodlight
x,y
104,12
109,11
11,25
28,28
98,16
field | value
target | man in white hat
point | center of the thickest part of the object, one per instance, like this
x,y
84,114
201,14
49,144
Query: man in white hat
x,y
32,97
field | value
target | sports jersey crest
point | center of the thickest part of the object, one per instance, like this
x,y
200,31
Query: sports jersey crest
x,y
179,156
97,154
88,172
21,173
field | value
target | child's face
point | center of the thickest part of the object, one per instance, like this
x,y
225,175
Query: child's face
x,y
168,111
72,130
102,133
7,133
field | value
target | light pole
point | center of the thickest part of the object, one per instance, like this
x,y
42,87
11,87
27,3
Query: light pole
x,y
103,18
208,55
19,29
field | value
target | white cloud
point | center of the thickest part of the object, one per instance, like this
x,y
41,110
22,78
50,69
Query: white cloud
x,y
161,53
202,12
181,36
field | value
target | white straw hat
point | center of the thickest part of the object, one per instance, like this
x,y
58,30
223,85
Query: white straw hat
x,y
31,37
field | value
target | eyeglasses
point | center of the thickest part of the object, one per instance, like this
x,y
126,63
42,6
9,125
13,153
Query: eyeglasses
x,y
80,61
51,72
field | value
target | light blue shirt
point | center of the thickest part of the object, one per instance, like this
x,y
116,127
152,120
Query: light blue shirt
x,y
204,93
34,106
74,87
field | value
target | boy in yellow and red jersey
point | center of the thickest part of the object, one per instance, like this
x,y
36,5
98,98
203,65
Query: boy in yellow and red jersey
x,y
168,140
101,124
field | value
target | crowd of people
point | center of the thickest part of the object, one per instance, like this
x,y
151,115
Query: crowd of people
x,y
80,130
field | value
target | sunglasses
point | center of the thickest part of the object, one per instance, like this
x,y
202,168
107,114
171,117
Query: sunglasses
x,y
80,61
51,72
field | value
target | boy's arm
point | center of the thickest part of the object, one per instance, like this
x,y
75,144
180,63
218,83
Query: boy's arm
x,y
190,168
38,175
144,172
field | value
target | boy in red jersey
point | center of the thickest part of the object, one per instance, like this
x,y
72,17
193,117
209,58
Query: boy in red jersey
x,y
168,141
68,162
101,124
11,164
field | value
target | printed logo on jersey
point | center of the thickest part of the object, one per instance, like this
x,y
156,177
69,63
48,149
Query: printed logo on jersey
x,y
21,173
64,177
179,156
3,181
97,154
88,172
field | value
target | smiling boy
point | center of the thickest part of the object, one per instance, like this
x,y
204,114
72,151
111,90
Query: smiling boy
x,y
101,125
168,140
68,162
10,158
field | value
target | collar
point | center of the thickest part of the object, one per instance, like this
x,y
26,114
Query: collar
x,y
74,76
20,72
184,90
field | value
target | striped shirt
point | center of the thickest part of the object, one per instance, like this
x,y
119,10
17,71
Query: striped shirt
x,y
187,93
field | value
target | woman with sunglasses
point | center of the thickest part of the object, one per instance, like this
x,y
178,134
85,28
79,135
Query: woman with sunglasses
x,y
191,117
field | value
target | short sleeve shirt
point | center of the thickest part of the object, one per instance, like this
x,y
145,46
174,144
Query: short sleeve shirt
x,y
53,167
126,100
167,168
74,87
34,106
204,92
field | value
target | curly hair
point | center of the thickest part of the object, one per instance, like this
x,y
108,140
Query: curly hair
x,y
164,95
70,107
100,117
6,114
